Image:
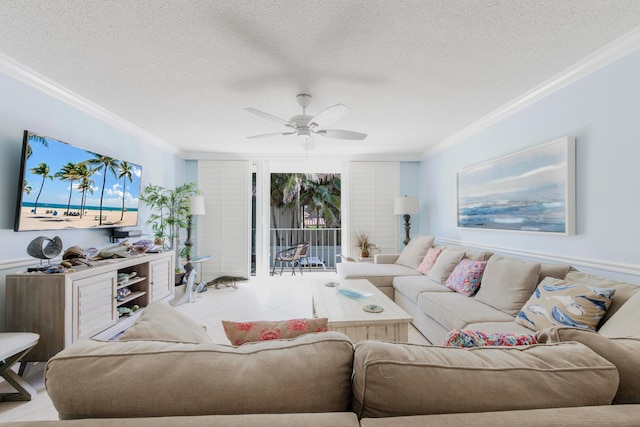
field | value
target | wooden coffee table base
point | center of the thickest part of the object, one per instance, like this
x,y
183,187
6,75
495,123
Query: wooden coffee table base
x,y
346,314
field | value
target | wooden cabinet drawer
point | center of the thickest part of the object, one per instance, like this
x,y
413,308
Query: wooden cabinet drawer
x,y
94,304
162,278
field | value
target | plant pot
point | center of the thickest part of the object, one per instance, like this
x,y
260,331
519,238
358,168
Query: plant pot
x,y
364,253
179,277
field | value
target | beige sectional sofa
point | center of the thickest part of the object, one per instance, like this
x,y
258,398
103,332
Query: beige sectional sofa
x,y
507,284
166,372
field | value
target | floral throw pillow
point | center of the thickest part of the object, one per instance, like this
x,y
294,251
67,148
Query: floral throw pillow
x,y
560,303
428,260
466,277
243,332
467,338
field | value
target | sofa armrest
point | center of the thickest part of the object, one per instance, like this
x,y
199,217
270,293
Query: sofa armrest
x,y
385,258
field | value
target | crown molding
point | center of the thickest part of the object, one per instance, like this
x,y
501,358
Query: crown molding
x,y
608,54
20,72
301,156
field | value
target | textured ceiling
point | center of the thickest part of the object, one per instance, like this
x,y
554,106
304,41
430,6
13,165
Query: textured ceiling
x,y
412,72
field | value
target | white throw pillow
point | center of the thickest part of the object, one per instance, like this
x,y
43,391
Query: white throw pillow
x,y
445,264
625,322
413,253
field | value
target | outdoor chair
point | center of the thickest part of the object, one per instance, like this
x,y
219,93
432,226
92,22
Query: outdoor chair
x,y
304,257
291,255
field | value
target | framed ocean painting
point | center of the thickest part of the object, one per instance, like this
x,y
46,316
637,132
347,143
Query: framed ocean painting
x,y
532,190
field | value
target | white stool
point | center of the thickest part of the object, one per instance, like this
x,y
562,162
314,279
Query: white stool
x,y
13,347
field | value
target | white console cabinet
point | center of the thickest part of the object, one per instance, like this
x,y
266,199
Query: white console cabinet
x,y
66,307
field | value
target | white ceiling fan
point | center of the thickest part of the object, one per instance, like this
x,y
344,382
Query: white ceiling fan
x,y
305,126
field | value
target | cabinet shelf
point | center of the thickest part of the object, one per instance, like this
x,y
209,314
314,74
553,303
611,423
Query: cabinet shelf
x,y
130,297
130,282
127,318
82,303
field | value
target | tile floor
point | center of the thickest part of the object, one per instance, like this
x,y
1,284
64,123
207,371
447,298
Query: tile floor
x,y
269,298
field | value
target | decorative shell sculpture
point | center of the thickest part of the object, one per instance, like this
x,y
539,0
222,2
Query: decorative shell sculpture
x,y
43,247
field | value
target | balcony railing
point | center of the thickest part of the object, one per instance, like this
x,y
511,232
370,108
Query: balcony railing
x,y
324,244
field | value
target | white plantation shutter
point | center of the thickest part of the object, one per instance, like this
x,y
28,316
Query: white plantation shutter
x,y
224,231
373,187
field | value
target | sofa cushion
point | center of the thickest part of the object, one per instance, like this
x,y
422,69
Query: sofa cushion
x,y
161,322
477,255
310,373
468,338
557,302
622,352
466,277
415,250
380,275
244,332
626,321
469,253
511,326
393,379
605,415
558,271
429,260
326,419
412,286
624,291
445,264
455,311
507,283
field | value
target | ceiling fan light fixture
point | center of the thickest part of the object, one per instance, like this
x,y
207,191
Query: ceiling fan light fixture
x,y
307,141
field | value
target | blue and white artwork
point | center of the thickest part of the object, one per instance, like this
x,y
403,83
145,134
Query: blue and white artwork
x,y
532,190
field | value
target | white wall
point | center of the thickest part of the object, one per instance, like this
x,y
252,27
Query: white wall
x,y
601,112
23,107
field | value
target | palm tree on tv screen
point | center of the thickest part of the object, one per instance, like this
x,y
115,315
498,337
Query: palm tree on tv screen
x,y
125,171
68,172
36,138
86,184
43,170
26,188
108,164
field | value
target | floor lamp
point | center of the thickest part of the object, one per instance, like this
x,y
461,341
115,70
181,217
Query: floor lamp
x,y
406,206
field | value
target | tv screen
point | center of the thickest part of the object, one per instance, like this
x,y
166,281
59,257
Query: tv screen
x,y
64,187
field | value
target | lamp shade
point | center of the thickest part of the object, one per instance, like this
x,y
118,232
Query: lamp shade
x,y
196,205
405,205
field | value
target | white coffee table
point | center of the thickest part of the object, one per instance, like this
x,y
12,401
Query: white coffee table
x,y
347,315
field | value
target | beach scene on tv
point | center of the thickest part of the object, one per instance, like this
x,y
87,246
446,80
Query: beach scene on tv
x,y
69,187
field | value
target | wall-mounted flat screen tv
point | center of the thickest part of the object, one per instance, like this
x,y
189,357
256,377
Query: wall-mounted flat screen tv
x,y
65,187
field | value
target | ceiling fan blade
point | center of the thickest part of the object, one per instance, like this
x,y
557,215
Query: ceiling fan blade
x,y
267,135
269,117
328,116
341,134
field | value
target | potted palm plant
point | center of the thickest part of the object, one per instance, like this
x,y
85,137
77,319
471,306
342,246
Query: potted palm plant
x,y
169,212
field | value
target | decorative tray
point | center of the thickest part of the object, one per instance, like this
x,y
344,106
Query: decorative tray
x,y
354,294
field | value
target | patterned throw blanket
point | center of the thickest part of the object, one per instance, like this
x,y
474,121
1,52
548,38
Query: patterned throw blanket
x,y
467,338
